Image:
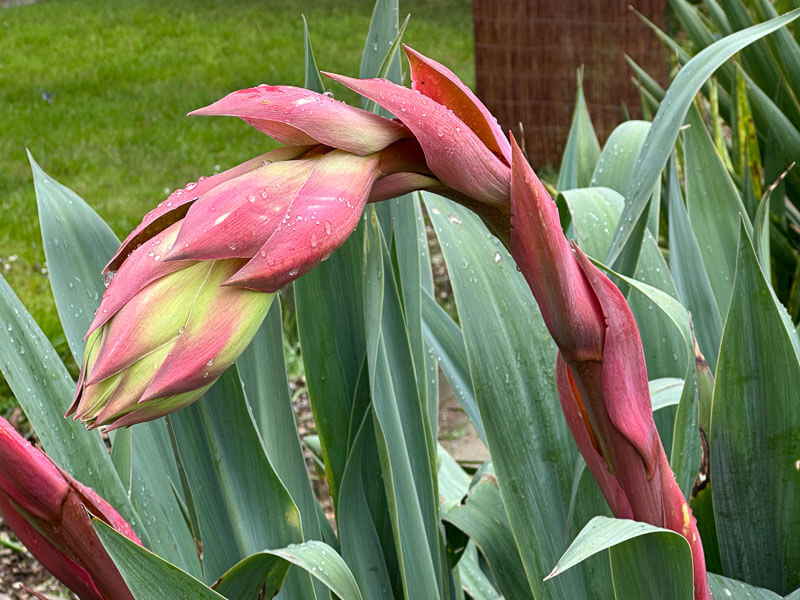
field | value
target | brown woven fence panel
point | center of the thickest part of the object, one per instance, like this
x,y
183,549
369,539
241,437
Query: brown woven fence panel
x,y
527,53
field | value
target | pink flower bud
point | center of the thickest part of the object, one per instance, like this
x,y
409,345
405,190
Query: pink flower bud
x,y
50,512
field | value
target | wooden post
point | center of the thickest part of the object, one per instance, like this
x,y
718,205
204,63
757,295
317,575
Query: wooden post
x,y
527,53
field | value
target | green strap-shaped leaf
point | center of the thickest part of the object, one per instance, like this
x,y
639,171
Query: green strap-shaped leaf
x,y
691,277
330,323
632,545
313,80
402,222
725,587
383,31
754,443
402,427
615,166
691,23
714,206
760,60
473,579
314,557
483,518
511,359
365,529
263,373
447,342
665,392
718,16
453,486
242,505
77,244
787,48
582,149
150,577
624,250
780,130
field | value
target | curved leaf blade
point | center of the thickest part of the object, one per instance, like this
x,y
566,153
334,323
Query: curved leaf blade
x,y
664,132
631,544
754,443
149,576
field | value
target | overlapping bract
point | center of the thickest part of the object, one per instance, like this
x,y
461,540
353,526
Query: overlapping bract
x,y
50,512
601,373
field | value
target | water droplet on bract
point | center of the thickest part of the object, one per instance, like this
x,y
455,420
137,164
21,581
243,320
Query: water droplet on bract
x,y
436,211
313,241
263,194
293,273
374,46
106,279
498,257
440,132
181,330
210,362
328,227
232,246
329,94
191,186
454,219
251,198
263,253
205,374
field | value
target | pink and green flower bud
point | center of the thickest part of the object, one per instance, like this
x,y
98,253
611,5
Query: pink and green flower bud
x,y
50,513
600,371
193,282
167,344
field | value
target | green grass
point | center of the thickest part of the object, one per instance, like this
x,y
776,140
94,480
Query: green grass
x,y
122,75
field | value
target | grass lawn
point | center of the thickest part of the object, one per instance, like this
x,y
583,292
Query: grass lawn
x,y
98,90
